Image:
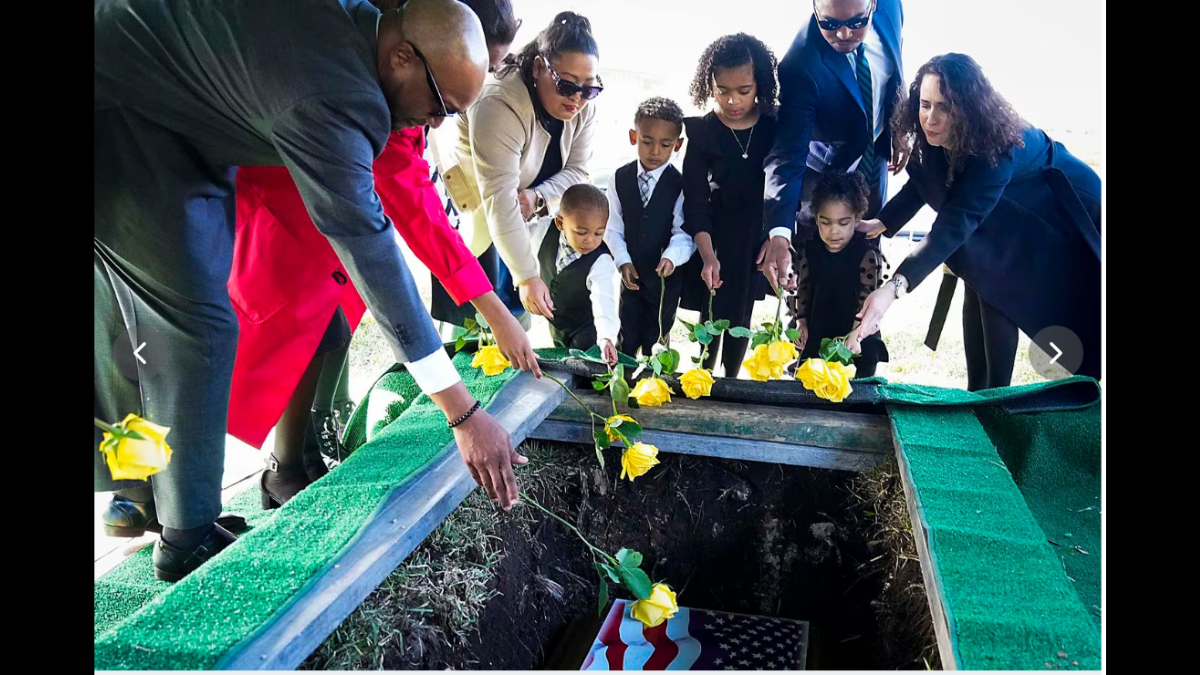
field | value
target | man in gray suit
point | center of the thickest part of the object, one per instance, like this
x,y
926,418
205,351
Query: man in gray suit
x,y
184,92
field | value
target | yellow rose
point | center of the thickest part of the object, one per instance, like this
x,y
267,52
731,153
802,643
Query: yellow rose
x,y
829,380
781,353
657,608
490,360
759,365
638,459
612,435
652,392
696,382
134,459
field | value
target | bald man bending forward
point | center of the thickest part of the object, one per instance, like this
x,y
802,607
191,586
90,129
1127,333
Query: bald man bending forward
x,y
184,92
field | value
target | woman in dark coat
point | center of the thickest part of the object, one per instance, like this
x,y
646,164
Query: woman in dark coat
x,y
1018,220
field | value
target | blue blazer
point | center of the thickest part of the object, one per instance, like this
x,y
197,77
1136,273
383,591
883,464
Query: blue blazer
x,y
819,100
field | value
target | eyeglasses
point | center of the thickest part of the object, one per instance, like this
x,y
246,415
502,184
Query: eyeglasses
x,y
442,111
567,89
853,24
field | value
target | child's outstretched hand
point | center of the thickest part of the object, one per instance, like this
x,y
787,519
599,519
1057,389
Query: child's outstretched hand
x,y
629,277
609,351
802,326
665,268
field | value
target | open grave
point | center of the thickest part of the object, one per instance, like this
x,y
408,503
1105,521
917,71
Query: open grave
x,y
767,502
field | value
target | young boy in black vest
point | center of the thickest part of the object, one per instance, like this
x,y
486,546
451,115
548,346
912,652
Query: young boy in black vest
x,y
645,226
576,264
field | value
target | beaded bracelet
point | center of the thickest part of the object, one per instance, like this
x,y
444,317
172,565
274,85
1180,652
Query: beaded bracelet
x,y
465,416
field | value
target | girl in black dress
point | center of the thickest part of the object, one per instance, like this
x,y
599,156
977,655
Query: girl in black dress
x,y
723,184
836,271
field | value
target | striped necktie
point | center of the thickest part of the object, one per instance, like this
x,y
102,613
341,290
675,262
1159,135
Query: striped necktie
x,y
863,72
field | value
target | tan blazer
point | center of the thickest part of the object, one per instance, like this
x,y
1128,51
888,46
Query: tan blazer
x,y
500,147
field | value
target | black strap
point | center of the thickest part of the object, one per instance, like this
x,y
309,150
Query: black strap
x,y
941,309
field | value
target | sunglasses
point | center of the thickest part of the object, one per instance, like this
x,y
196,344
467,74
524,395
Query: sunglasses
x,y
442,111
567,89
853,24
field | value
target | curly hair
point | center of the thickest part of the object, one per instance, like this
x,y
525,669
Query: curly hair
x,y
659,108
982,123
732,51
583,197
848,188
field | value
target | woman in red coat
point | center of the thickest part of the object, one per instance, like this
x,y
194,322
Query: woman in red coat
x,y
294,299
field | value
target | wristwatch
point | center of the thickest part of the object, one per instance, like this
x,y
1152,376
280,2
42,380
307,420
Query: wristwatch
x,y
539,202
900,286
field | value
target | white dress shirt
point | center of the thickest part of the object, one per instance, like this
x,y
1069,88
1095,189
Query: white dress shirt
x,y
680,247
882,70
603,282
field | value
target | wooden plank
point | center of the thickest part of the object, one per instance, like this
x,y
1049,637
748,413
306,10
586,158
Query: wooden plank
x,y
752,422
409,515
933,587
793,454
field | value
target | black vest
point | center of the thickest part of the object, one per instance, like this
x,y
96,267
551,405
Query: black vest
x,y
647,228
568,288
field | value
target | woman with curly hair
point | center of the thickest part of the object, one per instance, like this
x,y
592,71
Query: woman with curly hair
x,y
723,185
1018,221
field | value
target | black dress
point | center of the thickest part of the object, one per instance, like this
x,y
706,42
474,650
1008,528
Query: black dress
x,y
830,290
723,195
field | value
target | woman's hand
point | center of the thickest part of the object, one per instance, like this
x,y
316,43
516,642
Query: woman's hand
x,y
528,201
775,262
873,309
535,297
872,227
853,341
711,273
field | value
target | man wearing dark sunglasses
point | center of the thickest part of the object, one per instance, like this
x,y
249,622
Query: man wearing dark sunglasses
x,y
837,89
316,87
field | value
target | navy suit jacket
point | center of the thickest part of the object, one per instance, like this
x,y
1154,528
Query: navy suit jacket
x,y
819,100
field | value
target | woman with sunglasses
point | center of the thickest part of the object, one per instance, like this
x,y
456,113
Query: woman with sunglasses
x,y
525,141
1018,220
291,371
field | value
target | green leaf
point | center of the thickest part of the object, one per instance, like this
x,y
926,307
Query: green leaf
x,y
636,581
702,335
631,430
608,570
601,438
460,343
470,325
603,599
740,332
656,366
723,324
760,339
600,455
620,390
792,334
634,404
481,321
629,557
711,329
689,326
598,385
696,359
670,360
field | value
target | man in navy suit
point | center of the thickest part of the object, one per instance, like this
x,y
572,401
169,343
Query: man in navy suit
x,y
837,89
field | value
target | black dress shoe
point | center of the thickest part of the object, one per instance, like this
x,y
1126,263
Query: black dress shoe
x,y
127,518
172,564
280,483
